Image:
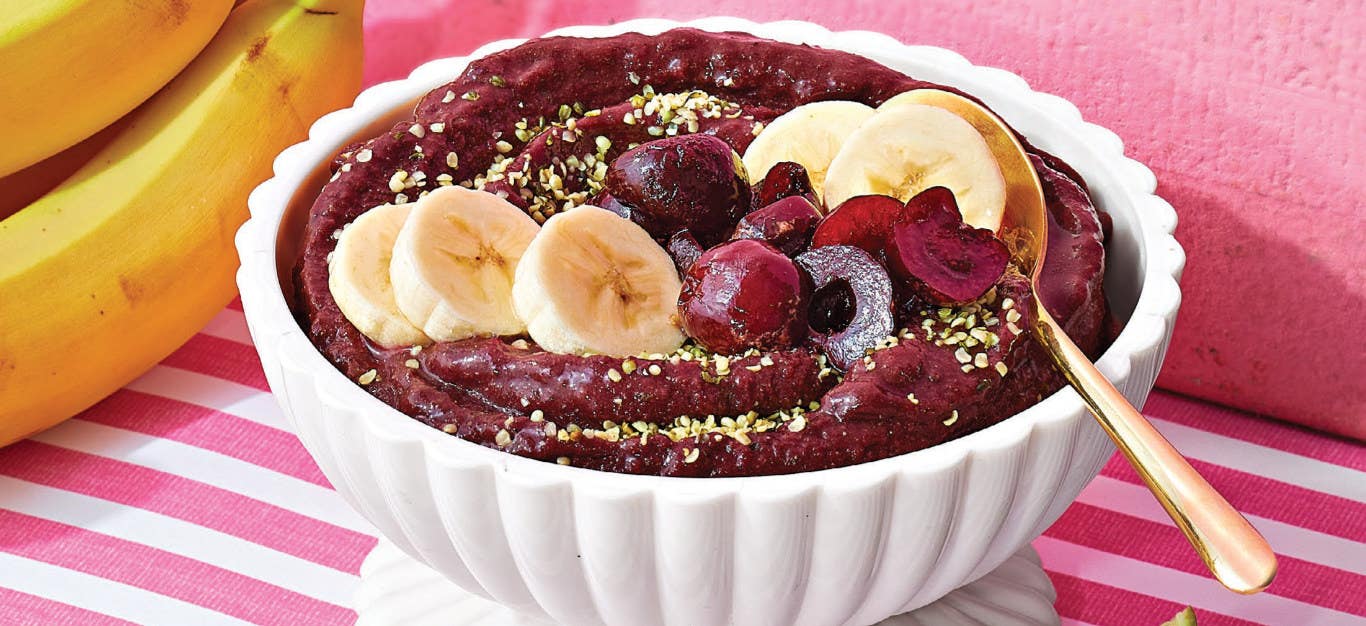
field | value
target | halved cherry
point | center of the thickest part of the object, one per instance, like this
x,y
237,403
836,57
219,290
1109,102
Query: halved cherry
x,y
939,256
863,222
851,307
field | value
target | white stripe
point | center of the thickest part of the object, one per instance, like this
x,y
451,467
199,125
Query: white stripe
x,y
208,467
1287,539
1280,465
229,324
1200,592
103,596
179,537
213,393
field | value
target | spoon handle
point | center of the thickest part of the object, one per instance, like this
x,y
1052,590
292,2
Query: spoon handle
x,y
1237,555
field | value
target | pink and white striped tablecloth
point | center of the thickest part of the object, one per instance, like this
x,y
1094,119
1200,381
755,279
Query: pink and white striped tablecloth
x,y
184,499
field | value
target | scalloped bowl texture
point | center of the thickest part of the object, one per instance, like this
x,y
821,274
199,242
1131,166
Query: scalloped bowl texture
x,y
851,545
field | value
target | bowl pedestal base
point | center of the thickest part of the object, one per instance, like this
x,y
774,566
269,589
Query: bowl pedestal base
x,y
396,589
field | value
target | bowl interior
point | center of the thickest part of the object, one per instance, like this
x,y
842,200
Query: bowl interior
x,y
385,105
290,232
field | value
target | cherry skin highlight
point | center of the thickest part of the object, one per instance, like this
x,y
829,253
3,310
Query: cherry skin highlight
x,y
684,249
691,181
786,225
784,180
745,294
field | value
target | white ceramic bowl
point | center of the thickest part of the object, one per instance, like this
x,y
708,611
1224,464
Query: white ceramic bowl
x,y
851,545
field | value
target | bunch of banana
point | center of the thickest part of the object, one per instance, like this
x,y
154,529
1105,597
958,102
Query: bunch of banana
x,y
88,62
129,255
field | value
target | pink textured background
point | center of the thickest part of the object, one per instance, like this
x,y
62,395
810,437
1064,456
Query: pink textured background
x,y
1249,113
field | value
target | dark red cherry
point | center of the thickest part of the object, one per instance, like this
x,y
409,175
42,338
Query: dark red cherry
x,y
784,180
941,258
745,294
606,201
691,181
861,221
851,307
685,250
786,224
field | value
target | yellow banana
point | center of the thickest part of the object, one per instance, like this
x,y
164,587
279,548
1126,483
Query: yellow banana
x,y
71,67
130,256
25,186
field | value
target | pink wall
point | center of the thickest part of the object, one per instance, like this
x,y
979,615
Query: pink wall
x,y
1247,111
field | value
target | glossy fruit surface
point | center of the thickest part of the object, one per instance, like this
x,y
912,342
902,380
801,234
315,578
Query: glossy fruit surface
x,y
606,201
851,305
684,249
745,294
784,180
862,221
692,181
941,258
786,224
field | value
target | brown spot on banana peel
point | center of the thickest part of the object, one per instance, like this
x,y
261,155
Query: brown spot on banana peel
x,y
132,292
179,10
257,47
262,59
171,13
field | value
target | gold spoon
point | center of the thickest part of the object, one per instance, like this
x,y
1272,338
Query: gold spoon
x,y
1237,555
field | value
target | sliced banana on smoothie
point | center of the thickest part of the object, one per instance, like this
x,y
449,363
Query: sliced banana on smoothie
x,y
453,264
593,282
809,135
907,148
358,277
1022,182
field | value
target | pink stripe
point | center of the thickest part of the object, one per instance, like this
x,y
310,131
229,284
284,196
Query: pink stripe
x,y
163,572
1272,499
22,608
206,428
1261,431
1164,545
1096,603
236,303
220,358
188,500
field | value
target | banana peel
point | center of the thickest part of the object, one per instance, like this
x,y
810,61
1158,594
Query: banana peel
x,y
71,67
129,257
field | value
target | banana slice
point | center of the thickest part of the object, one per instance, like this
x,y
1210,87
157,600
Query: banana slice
x,y
453,264
1022,182
594,282
907,148
809,135
358,277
